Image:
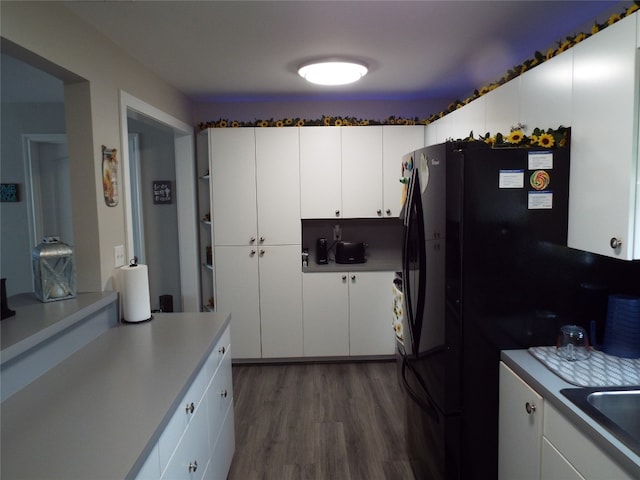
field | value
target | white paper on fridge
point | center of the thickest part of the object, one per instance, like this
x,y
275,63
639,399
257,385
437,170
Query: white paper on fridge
x,y
540,200
511,179
540,160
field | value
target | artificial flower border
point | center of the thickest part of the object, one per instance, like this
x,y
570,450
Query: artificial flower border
x,y
513,139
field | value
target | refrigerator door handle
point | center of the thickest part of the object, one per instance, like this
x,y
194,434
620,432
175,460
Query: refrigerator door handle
x,y
426,404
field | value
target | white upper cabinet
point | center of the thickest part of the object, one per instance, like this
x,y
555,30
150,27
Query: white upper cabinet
x,y
362,172
278,186
396,141
603,210
545,93
320,172
233,173
502,108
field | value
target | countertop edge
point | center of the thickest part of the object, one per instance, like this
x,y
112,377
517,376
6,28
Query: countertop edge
x,y
548,384
21,346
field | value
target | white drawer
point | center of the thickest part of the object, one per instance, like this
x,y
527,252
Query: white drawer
x,y
222,453
151,468
220,397
578,449
182,417
191,457
218,353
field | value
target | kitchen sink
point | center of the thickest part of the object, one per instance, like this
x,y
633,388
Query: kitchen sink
x,y
616,408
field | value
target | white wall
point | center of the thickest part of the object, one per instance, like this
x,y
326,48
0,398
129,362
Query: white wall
x,y
66,46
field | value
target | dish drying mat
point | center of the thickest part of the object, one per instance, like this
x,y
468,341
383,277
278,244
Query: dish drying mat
x,y
599,370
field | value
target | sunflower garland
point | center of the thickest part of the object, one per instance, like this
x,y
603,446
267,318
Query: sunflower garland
x,y
539,138
515,137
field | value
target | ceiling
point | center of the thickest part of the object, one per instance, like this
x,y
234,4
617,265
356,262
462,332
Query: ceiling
x,y
250,50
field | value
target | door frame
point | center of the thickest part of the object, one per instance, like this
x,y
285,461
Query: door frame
x,y
184,144
31,168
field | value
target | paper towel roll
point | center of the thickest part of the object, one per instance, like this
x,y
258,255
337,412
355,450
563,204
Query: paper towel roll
x,y
136,304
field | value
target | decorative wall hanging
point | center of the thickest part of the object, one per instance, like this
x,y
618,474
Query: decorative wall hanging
x,y
162,192
110,176
9,192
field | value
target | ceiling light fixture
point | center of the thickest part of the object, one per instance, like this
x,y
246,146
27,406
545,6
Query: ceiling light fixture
x,y
333,72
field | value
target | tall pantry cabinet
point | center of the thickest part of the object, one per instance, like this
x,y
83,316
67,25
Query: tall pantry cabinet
x,y
256,237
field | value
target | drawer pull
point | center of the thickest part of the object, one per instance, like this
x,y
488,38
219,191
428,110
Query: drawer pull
x,y
222,350
193,466
190,407
530,408
223,393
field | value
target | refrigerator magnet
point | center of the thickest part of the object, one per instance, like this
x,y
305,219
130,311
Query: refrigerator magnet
x,y
540,200
511,179
539,180
540,160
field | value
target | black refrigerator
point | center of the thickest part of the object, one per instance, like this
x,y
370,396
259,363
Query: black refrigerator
x,y
480,227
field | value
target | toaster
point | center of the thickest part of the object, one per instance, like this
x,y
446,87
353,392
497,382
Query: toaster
x,y
350,252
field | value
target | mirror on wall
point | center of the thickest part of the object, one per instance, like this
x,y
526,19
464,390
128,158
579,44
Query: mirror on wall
x,y
34,159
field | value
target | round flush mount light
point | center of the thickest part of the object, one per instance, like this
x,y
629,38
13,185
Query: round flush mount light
x,y
333,72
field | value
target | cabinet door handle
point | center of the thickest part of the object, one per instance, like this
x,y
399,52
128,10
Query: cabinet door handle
x,y
530,408
615,243
337,213
262,253
261,239
224,393
388,211
193,466
222,350
252,253
353,278
252,240
379,212
190,407
344,278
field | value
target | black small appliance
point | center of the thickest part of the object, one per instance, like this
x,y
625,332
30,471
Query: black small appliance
x,y
350,252
322,251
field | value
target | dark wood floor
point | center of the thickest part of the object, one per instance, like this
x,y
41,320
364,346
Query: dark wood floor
x,y
322,421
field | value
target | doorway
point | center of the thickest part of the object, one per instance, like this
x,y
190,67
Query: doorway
x,y
164,232
48,188
152,165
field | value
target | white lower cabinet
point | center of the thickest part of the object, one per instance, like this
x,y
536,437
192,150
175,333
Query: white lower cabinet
x,y
199,441
325,314
540,443
347,313
520,428
261,287
370,314
554,465
238,292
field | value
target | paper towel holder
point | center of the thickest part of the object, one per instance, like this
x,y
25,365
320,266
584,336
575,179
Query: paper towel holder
x,y
133,263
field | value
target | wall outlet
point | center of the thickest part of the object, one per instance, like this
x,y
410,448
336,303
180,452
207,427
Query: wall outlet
x,y
337,232
118,254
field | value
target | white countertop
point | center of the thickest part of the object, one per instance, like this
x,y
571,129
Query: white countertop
x,y
548,384
98,414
